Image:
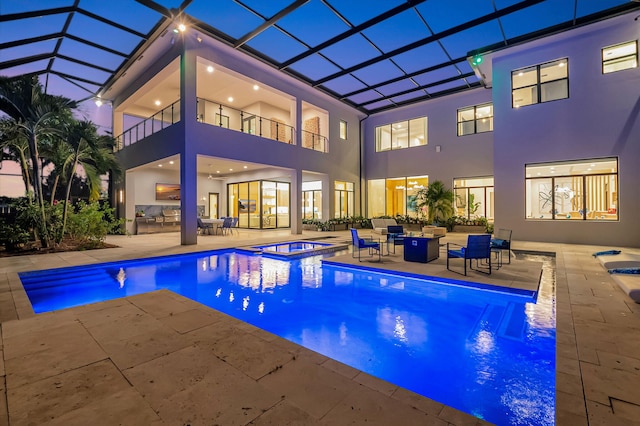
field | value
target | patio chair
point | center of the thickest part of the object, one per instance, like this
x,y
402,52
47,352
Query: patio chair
x,y
234,226
478,248
204,227
360,244
502,241
226,225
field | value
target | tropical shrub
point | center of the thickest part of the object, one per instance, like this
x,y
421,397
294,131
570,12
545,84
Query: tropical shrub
x,y
12,236
92,222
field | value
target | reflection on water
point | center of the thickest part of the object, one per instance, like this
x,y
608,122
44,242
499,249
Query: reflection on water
x,y
488,353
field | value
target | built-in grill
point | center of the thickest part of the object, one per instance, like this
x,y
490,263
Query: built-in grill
x,y
171,215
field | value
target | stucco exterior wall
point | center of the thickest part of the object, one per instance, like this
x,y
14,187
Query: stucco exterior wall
x,y
599,119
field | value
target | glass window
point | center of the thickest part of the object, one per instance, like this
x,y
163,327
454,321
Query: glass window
x,y
344,199
402,134
312,200
383,138
418,132
475,119
259,204
282,204
620,57
541,83
574,190
375,198
474,197
394,196
343,129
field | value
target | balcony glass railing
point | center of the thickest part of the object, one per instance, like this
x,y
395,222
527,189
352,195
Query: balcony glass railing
x,y
158,121
242,121
314,141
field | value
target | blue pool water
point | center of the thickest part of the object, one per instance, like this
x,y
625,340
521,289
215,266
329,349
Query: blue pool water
x,y
489,353
293,246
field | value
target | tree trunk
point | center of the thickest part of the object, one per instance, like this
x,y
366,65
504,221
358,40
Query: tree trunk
x,y
68,194
37,188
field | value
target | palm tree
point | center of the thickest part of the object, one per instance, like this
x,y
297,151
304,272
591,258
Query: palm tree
x,y
32,110
13,143
438,200
94,153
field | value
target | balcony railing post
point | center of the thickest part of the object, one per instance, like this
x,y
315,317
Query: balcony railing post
x,y
242,121
260,125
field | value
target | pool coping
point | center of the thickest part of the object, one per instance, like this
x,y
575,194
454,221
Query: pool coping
x,y
326,248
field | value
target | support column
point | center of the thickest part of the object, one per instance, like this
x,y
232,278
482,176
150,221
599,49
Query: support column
x,y
188,154
296,201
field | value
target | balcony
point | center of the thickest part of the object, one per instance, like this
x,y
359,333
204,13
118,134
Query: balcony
x,y
314,141
217,114
158,121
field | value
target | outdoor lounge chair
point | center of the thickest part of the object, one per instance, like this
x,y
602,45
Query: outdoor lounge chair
x,y
380,226
502,241
478,248
360,244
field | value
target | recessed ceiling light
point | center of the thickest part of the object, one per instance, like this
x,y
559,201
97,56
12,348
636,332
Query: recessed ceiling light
x,y
182,27
230,98
256,87
520,74
561,64
159,165
245,167
171,162
157,103
217,171
230,170
209,69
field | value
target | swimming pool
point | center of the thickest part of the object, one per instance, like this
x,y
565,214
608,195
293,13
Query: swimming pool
x,y
489,353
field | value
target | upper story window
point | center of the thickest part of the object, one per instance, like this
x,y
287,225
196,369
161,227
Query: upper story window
x,y
475,119
402,134
620,57
343,130
540,83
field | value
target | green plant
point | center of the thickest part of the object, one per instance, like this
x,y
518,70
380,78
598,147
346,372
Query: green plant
x,y
91,222
473,205
12,236
437,199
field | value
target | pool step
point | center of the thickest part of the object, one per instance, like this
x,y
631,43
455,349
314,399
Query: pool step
x,y
79,278
505,321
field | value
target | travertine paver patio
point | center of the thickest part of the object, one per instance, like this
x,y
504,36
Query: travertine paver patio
x,y
160,358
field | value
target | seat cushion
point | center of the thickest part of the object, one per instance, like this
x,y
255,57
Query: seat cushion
x,y
456,253
498,243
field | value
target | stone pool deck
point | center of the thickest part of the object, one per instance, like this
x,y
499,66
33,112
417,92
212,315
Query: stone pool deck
x,y
160,358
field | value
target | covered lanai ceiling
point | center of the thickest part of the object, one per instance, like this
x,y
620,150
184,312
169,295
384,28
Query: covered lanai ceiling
x,y
371,54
